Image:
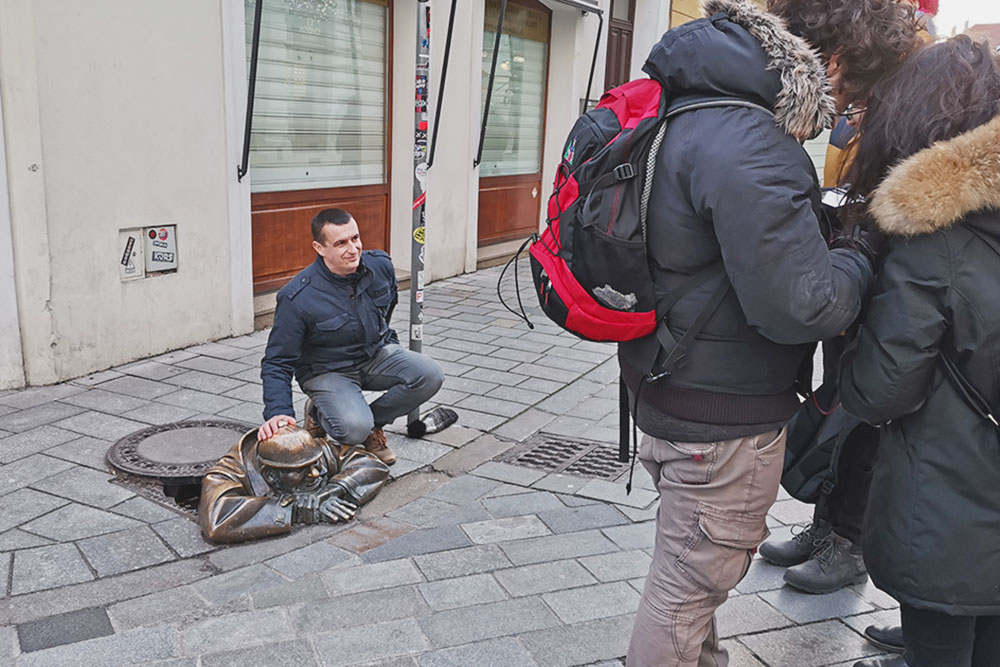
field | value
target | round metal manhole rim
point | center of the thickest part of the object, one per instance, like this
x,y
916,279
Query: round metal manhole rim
x,y
182,466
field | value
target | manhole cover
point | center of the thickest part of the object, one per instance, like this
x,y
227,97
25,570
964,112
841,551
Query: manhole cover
x,y
572,456
176,454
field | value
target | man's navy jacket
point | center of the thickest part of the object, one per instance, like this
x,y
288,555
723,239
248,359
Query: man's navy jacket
x,y
324,322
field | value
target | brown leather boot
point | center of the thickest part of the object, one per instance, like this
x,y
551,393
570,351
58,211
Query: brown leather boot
x,y
375,443
311,424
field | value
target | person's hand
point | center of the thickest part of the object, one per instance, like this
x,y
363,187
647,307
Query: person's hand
x,y
336,509
864,237
269,428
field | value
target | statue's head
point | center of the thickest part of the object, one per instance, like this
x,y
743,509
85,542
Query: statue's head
x,y
291,461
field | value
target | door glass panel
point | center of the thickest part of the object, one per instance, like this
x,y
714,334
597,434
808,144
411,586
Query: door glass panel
x,y
319,115
620,10
513,143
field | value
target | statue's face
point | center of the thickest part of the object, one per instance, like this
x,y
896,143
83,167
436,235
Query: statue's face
x,y
297,480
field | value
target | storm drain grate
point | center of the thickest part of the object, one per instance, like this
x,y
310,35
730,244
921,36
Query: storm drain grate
x,y
572,456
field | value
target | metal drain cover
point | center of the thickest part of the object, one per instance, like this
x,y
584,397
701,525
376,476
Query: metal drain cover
x,y
179,453
572,456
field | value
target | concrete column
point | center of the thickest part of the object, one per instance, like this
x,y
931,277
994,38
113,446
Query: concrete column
x,y
11,360
234,72
26,206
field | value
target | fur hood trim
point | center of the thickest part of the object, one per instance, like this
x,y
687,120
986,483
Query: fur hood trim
x,y
938,186
804,105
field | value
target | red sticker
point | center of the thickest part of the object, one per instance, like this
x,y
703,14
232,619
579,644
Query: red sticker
x,y
163,234
152,233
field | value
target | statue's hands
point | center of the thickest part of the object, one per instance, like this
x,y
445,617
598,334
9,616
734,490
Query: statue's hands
x,y
336,509
306,508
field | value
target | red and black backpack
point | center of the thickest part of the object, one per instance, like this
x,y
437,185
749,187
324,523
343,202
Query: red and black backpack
x,y
590,266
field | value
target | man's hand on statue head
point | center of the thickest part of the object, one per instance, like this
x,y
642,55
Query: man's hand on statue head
x,y
337,509
271,426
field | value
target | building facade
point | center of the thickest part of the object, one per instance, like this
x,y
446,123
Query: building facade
x,y
125,230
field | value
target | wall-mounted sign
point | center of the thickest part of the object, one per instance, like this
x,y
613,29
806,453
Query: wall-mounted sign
x,y
161,248
129,255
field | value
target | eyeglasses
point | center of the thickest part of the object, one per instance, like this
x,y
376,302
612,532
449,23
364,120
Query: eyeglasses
x,y
852,111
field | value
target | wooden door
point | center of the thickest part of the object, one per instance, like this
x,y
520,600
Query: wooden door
x,y
618,69
510,176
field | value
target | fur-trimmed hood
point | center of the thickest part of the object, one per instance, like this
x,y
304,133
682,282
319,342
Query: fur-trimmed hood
x,y
750,55
938,186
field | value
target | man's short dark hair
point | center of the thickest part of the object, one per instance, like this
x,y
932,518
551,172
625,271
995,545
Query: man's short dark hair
x,y
331,216
871,36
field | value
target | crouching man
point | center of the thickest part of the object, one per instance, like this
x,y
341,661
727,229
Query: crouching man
x,y
262,487
331,331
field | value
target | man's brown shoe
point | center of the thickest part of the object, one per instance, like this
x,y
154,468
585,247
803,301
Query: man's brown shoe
x,y
375,443
312,425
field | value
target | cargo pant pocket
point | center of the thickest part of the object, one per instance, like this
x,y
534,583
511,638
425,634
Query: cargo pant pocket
x,y
719,552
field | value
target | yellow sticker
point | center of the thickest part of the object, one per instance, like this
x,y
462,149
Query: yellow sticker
x,y
418,235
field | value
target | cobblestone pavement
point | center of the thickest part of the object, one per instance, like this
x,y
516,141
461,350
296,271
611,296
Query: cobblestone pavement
x,y
465,559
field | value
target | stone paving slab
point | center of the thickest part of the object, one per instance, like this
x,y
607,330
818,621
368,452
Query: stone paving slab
x,y
544,578
506,652
368,643
29,470
105,592
812,645
295,653
580,644
20,445
489,621
48,567
503,530
557,547
461,592
460,562
377,606
137,646
75,522
68,628
124,551
593,602
236,631
85,486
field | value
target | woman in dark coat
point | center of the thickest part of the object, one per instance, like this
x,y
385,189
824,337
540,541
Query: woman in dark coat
x,y
932,529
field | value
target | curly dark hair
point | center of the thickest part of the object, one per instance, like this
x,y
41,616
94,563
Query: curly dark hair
x,y
941,92
870,37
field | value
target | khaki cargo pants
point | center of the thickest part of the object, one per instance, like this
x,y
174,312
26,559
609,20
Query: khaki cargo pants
x,y
714,498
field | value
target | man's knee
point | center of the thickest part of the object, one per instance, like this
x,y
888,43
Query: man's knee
x,y
426,376
349,429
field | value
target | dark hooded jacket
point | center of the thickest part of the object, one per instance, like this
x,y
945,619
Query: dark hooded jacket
x,y
735,182
932,531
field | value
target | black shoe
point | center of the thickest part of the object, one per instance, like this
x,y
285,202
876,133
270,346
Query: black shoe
x,y
886,637
832,566
883,661
796,550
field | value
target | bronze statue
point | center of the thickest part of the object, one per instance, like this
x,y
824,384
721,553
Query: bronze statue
x,y
261,488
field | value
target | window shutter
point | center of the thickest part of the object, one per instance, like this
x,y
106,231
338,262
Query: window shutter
x,y
320,101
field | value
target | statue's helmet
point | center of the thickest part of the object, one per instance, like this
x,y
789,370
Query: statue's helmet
x,y
291,447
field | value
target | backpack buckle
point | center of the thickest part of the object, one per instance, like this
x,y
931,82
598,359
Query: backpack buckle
x,y
623,172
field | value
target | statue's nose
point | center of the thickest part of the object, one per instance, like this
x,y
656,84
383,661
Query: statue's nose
x,y
314,472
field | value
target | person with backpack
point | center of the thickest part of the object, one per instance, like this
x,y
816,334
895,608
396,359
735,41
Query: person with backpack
x,y
924,365
734,187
